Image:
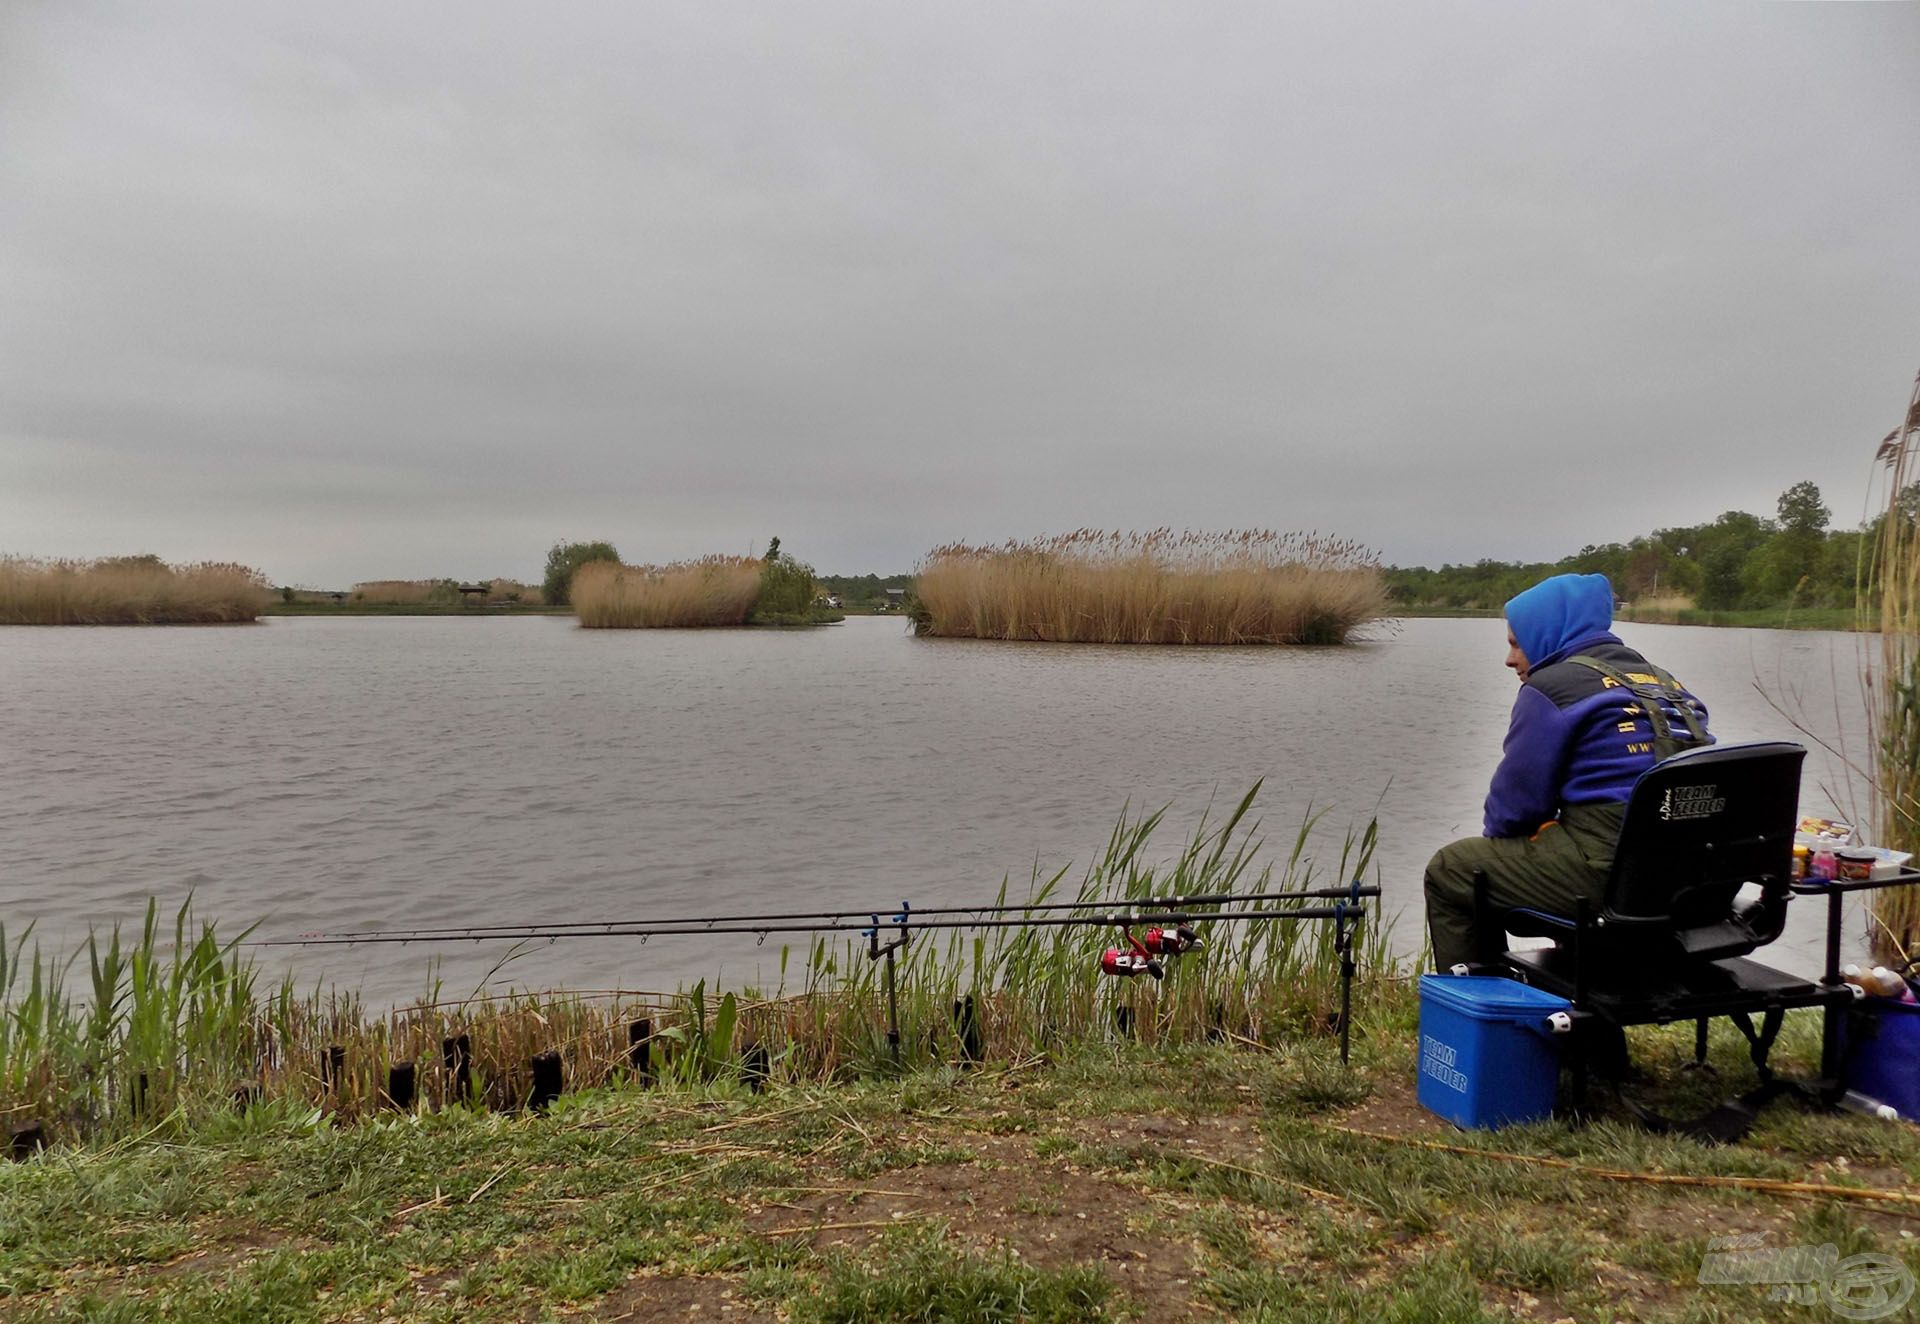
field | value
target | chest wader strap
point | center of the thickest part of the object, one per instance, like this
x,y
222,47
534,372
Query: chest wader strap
x,y
1657,697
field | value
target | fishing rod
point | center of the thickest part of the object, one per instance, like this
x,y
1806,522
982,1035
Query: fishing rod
x,y
751,923
835,924
1172,936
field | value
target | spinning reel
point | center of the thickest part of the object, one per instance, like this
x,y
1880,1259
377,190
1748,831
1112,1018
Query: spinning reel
x,y
1143,957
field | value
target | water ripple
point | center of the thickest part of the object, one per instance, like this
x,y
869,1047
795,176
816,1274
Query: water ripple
x,y
316,774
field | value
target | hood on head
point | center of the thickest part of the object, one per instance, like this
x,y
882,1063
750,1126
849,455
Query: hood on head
x,y
1560,611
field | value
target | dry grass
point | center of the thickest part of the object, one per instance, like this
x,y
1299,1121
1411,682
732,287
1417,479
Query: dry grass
x,y
1237,587
128,590
1665,602
714,590
400,592
1893,688
512,590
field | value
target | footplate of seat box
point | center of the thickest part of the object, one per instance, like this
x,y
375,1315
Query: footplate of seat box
x,y
1641,992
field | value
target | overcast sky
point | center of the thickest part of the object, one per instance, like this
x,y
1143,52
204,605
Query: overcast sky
x,y
363,291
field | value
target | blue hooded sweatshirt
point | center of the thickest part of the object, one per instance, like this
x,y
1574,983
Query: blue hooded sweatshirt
x,y
1574,738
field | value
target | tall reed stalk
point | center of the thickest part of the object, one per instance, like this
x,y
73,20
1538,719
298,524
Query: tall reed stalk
x,y
166,1033
165,1025
1890,597
128,590
1249,586
714,590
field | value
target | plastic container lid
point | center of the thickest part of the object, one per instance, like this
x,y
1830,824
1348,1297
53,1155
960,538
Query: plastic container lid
x,y
1489,997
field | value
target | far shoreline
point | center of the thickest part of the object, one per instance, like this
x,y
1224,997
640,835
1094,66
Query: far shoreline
x,y
1843,620
1838,619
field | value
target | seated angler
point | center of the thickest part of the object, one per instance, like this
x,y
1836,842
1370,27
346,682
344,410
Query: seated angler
x,y
1591,716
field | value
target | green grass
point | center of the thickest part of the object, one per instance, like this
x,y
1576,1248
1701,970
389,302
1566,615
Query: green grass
x,y
917,1276
1159,1176
169,1026
1138,1181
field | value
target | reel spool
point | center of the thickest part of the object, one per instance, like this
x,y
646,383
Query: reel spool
x,y
1172,942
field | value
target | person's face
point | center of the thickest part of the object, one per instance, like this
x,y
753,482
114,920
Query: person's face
x,y
1516,660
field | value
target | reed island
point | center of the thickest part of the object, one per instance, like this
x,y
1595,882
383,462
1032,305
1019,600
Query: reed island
x,y
774,589
1251,586
129,590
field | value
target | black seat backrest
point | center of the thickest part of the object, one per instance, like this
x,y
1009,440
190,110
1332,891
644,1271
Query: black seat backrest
x,y
1699,827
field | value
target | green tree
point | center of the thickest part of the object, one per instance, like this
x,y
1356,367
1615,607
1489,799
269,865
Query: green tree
x,y
1724,550
563,560
1721,577
1802,513
1841,565
1791,562
786,587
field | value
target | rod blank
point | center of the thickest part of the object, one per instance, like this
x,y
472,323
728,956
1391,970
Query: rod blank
x,y
788,921
909,920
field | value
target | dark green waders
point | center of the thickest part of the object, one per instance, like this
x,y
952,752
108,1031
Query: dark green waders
x,y
1549,871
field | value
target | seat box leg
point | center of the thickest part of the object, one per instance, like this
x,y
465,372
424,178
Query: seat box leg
x,y
1699,1062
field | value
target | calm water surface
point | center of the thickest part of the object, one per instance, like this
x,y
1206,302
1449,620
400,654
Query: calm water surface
x,y
314,774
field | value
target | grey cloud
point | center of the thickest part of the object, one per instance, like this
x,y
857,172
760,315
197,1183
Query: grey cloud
x,y
346,291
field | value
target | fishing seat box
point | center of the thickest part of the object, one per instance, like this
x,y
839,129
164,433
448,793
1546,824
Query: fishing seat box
x,y
1883,1053
1489,1054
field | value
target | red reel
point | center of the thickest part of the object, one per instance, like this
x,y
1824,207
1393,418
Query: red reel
x,y
1172,942
1133,960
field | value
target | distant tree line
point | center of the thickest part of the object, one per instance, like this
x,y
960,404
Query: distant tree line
x,y
1738,561
862,590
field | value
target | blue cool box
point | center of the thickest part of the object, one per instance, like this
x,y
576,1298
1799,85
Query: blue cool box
x,y
1488,1057
1883,1054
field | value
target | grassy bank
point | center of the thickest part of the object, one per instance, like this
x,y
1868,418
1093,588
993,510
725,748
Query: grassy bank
x,y
1762,618
128,590
168,1025
1100,1181
214,1160
1252,587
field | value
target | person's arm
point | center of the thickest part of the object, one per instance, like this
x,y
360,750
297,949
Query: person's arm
x,y
1526,786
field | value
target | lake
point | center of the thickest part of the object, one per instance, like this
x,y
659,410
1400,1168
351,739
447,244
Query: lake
x,y
324,774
